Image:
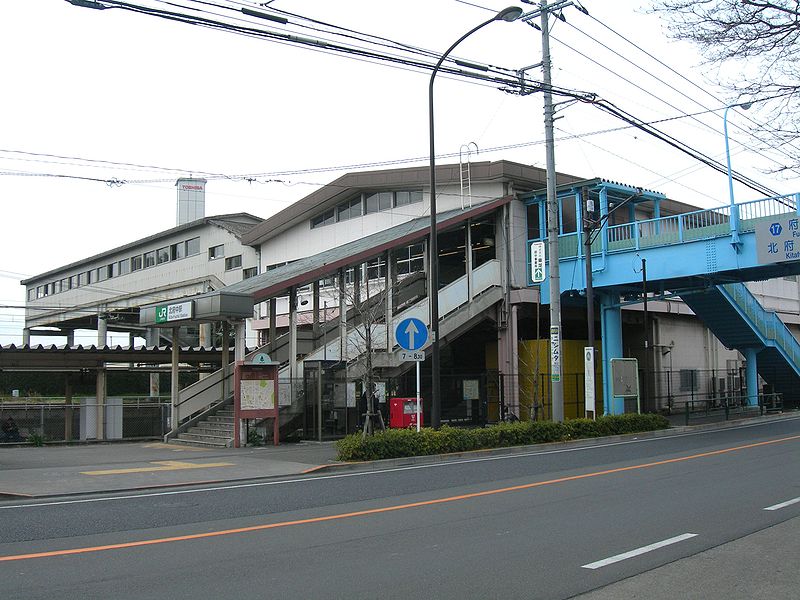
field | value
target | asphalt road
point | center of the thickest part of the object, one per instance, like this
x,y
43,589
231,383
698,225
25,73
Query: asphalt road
x,y
551,524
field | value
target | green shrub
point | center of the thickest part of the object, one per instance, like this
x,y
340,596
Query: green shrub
x,y
399,443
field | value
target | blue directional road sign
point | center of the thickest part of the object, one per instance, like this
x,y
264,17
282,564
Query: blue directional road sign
x,y
411,334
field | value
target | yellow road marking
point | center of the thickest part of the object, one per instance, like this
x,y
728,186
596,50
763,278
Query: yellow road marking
x,y
166,465
388,509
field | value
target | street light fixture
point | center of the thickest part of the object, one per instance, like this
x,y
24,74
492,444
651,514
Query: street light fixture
x,y
512,13
734,218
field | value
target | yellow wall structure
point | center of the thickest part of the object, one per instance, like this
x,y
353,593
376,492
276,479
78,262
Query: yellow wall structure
x,y
534,359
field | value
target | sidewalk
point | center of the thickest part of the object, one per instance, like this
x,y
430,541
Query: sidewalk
x,y
87,468
29,472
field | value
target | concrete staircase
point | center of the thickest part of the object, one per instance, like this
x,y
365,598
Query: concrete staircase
x,y
215,431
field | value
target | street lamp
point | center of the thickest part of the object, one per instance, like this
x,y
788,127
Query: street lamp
x,y
734,218
512,13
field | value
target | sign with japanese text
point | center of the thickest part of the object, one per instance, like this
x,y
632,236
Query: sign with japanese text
x,y
166,313
778,239
537,262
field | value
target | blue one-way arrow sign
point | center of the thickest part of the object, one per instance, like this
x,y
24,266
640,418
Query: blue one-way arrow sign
x,y
411,334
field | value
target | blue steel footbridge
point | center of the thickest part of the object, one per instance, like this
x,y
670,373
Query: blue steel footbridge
x,y
703,256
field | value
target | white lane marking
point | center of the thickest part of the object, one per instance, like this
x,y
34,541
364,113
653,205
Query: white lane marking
x,y
644,549
783,504
313,478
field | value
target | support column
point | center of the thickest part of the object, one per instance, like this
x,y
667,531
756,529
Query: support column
x,y
226,358
102,331
512,389
391,281
342,318
468,256
751,374
152,337
205,336
68,407
240,339
611,334
174,386
101,403
26,336
292,333
273,323
71,338
315,310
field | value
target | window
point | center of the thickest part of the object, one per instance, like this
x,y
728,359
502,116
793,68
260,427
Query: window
x,y
113,270
378,201
124,267
403,198
326,218
250,272
193,246
73,282
65,284
101,274
136,262
376,269
177,251
83,279
410,259
162,255
349,210
31,294
149,259
91,277
216,252
233,262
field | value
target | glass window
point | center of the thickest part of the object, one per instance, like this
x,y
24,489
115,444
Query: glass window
x,y
31,294
376,269
233,262
162,255
56,286
149,259
65,284
216,252
349,209
124,267
91,277
113,270
410,197
378,201
410,259
326,218
177,251
533,221
73,282
83,279
249,272
193,246
136,262
101,274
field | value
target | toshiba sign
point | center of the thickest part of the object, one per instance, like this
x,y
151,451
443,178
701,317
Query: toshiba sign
x,y
186,187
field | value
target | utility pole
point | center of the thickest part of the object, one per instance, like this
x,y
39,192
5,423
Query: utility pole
x,y
556,385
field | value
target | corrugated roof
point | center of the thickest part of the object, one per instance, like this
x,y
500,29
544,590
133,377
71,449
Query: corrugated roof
x,y
235,223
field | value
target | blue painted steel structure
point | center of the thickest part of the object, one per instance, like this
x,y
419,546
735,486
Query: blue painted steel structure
x,y
686,253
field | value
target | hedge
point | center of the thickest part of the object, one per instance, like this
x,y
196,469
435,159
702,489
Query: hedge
x,y
399,443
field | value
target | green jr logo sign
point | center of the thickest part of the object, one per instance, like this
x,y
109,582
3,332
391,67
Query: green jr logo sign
x,y
166,313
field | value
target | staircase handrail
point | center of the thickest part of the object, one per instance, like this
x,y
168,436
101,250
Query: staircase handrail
x,y
766,322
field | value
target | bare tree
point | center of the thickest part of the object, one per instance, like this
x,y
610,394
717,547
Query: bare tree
x,y
365,336
760,40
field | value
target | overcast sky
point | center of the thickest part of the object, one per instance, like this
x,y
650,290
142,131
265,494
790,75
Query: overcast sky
x,y
166,99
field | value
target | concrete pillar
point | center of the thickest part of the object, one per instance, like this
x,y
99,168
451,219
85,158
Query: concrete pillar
x,y
226,358
67,406
26,336
240,340
512,389
101,403
611,334
152,337
391,281
468,256
131,340
206,334
751,375
102,331
174,387
70,338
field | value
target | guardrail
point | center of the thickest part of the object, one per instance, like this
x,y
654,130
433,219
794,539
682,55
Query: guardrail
x,y
729,407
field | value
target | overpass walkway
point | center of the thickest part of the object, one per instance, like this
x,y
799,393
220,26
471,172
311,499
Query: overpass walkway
x,y
704,257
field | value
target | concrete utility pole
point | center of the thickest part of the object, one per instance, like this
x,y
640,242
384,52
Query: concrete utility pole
x,y
556,386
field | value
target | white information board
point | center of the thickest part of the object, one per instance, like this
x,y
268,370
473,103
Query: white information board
x,y
257,394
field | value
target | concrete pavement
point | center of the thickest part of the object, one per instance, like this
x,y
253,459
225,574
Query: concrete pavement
x,y
61,470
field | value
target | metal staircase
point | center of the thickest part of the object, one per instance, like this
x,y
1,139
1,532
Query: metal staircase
x,y
739,321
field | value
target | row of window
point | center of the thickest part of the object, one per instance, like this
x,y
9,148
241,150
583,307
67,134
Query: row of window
x,y
365,204
183,249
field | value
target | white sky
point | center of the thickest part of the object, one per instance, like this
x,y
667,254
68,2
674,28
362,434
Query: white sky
x,y
117,86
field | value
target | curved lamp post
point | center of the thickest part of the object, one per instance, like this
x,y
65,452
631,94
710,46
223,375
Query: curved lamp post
x,y
512,13
734,218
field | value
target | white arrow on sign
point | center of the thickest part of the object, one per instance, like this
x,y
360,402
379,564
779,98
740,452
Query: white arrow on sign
x,y
411,331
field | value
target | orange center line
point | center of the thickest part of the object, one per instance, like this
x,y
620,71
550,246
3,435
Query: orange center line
x,y
386,509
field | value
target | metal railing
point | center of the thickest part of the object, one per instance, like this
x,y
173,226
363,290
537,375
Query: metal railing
x,y
727,408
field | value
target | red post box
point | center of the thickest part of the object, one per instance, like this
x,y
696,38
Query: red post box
x,y
403,412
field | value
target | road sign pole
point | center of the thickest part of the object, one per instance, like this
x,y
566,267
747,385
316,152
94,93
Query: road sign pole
x,y
418,411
